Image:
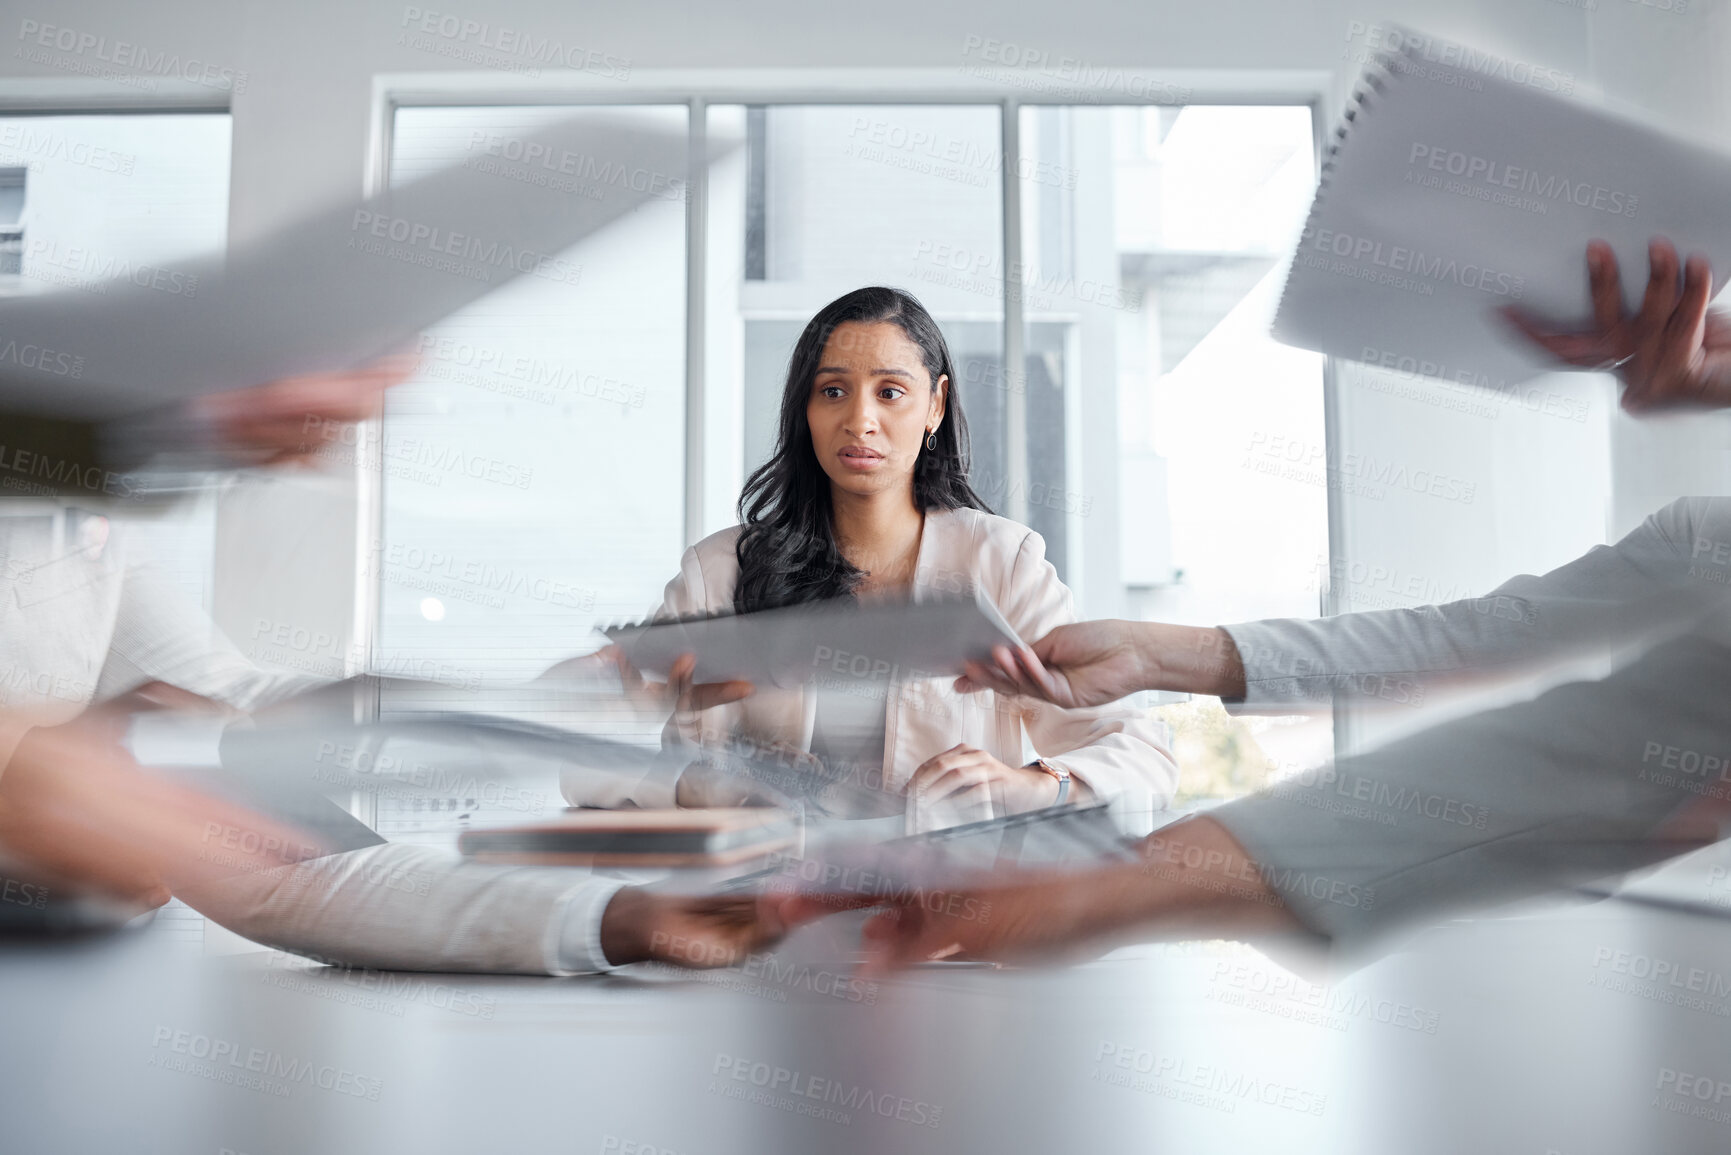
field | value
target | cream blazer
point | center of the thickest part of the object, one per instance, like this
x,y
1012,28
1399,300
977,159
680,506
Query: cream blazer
x,y
1121,753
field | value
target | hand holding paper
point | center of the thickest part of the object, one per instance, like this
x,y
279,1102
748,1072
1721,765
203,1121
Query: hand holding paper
x,y
1453,191
332,291
1674,352
292,418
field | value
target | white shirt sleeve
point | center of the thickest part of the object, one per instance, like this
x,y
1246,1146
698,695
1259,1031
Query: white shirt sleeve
x,y
399,907
160,636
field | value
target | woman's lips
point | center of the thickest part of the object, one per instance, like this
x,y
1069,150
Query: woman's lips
x,y
859,457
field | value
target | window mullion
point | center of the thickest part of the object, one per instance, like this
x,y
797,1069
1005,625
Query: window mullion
x,y
696,300
1015,390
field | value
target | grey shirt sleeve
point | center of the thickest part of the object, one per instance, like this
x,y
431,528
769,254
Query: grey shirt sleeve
x,y
1667,572
1575,785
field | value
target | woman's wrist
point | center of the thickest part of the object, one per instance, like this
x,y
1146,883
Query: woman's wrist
x,y
1047,786
1052,791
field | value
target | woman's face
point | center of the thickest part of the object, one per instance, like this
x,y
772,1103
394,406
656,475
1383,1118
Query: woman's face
x,y
871,405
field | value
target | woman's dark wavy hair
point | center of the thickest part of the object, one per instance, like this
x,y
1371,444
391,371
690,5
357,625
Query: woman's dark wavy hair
x,y
787,551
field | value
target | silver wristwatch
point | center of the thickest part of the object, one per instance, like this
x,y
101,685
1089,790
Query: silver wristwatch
x,y
1058,772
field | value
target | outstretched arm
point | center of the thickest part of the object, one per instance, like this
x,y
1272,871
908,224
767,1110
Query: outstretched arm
x,y
1666,573
401,907
1191,879
1673,352
1586,782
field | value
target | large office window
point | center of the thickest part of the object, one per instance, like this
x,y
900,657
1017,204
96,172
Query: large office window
x,y
832,198
1154,245
1161,417
90,198
1127,417
87,199
534,469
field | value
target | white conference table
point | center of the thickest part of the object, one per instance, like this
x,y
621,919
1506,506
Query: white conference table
x,y
1535,1034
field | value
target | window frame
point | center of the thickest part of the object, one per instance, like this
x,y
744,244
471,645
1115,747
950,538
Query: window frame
x,y
698,89
48,97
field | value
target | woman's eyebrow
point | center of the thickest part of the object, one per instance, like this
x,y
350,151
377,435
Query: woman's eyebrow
x,y
869,372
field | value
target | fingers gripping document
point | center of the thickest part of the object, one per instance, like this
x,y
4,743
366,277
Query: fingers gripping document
x,y
1459,183
341,287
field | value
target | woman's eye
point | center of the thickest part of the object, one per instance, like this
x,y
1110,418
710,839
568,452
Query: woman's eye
x,y
889,392
831,391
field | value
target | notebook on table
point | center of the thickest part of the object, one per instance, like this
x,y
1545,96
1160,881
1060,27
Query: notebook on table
x,y
718,837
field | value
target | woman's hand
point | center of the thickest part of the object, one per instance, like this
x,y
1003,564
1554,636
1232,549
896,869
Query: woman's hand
x,y
691,699
1672,353
703,783
686,698
76,810
710,783
678,693
963,777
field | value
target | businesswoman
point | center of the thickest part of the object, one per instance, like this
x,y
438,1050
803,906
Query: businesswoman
x,y
867,495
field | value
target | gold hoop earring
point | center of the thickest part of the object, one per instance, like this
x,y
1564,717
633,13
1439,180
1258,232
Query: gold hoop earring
x,y
932,440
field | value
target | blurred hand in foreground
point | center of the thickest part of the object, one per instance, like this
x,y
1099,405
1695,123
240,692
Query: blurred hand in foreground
x,y
690,931
1192,880
77,812
292,419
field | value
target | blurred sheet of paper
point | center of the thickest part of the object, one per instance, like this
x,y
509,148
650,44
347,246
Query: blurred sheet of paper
x,y
839,644
344,286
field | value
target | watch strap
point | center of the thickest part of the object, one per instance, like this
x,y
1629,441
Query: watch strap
x,y
1061,774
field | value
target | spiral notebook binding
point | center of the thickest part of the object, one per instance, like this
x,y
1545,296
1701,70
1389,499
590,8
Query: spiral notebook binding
x,y
1372,84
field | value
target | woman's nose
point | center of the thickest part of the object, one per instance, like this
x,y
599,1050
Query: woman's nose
x,y
861,417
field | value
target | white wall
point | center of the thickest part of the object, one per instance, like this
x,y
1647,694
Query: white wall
x,y
301,134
